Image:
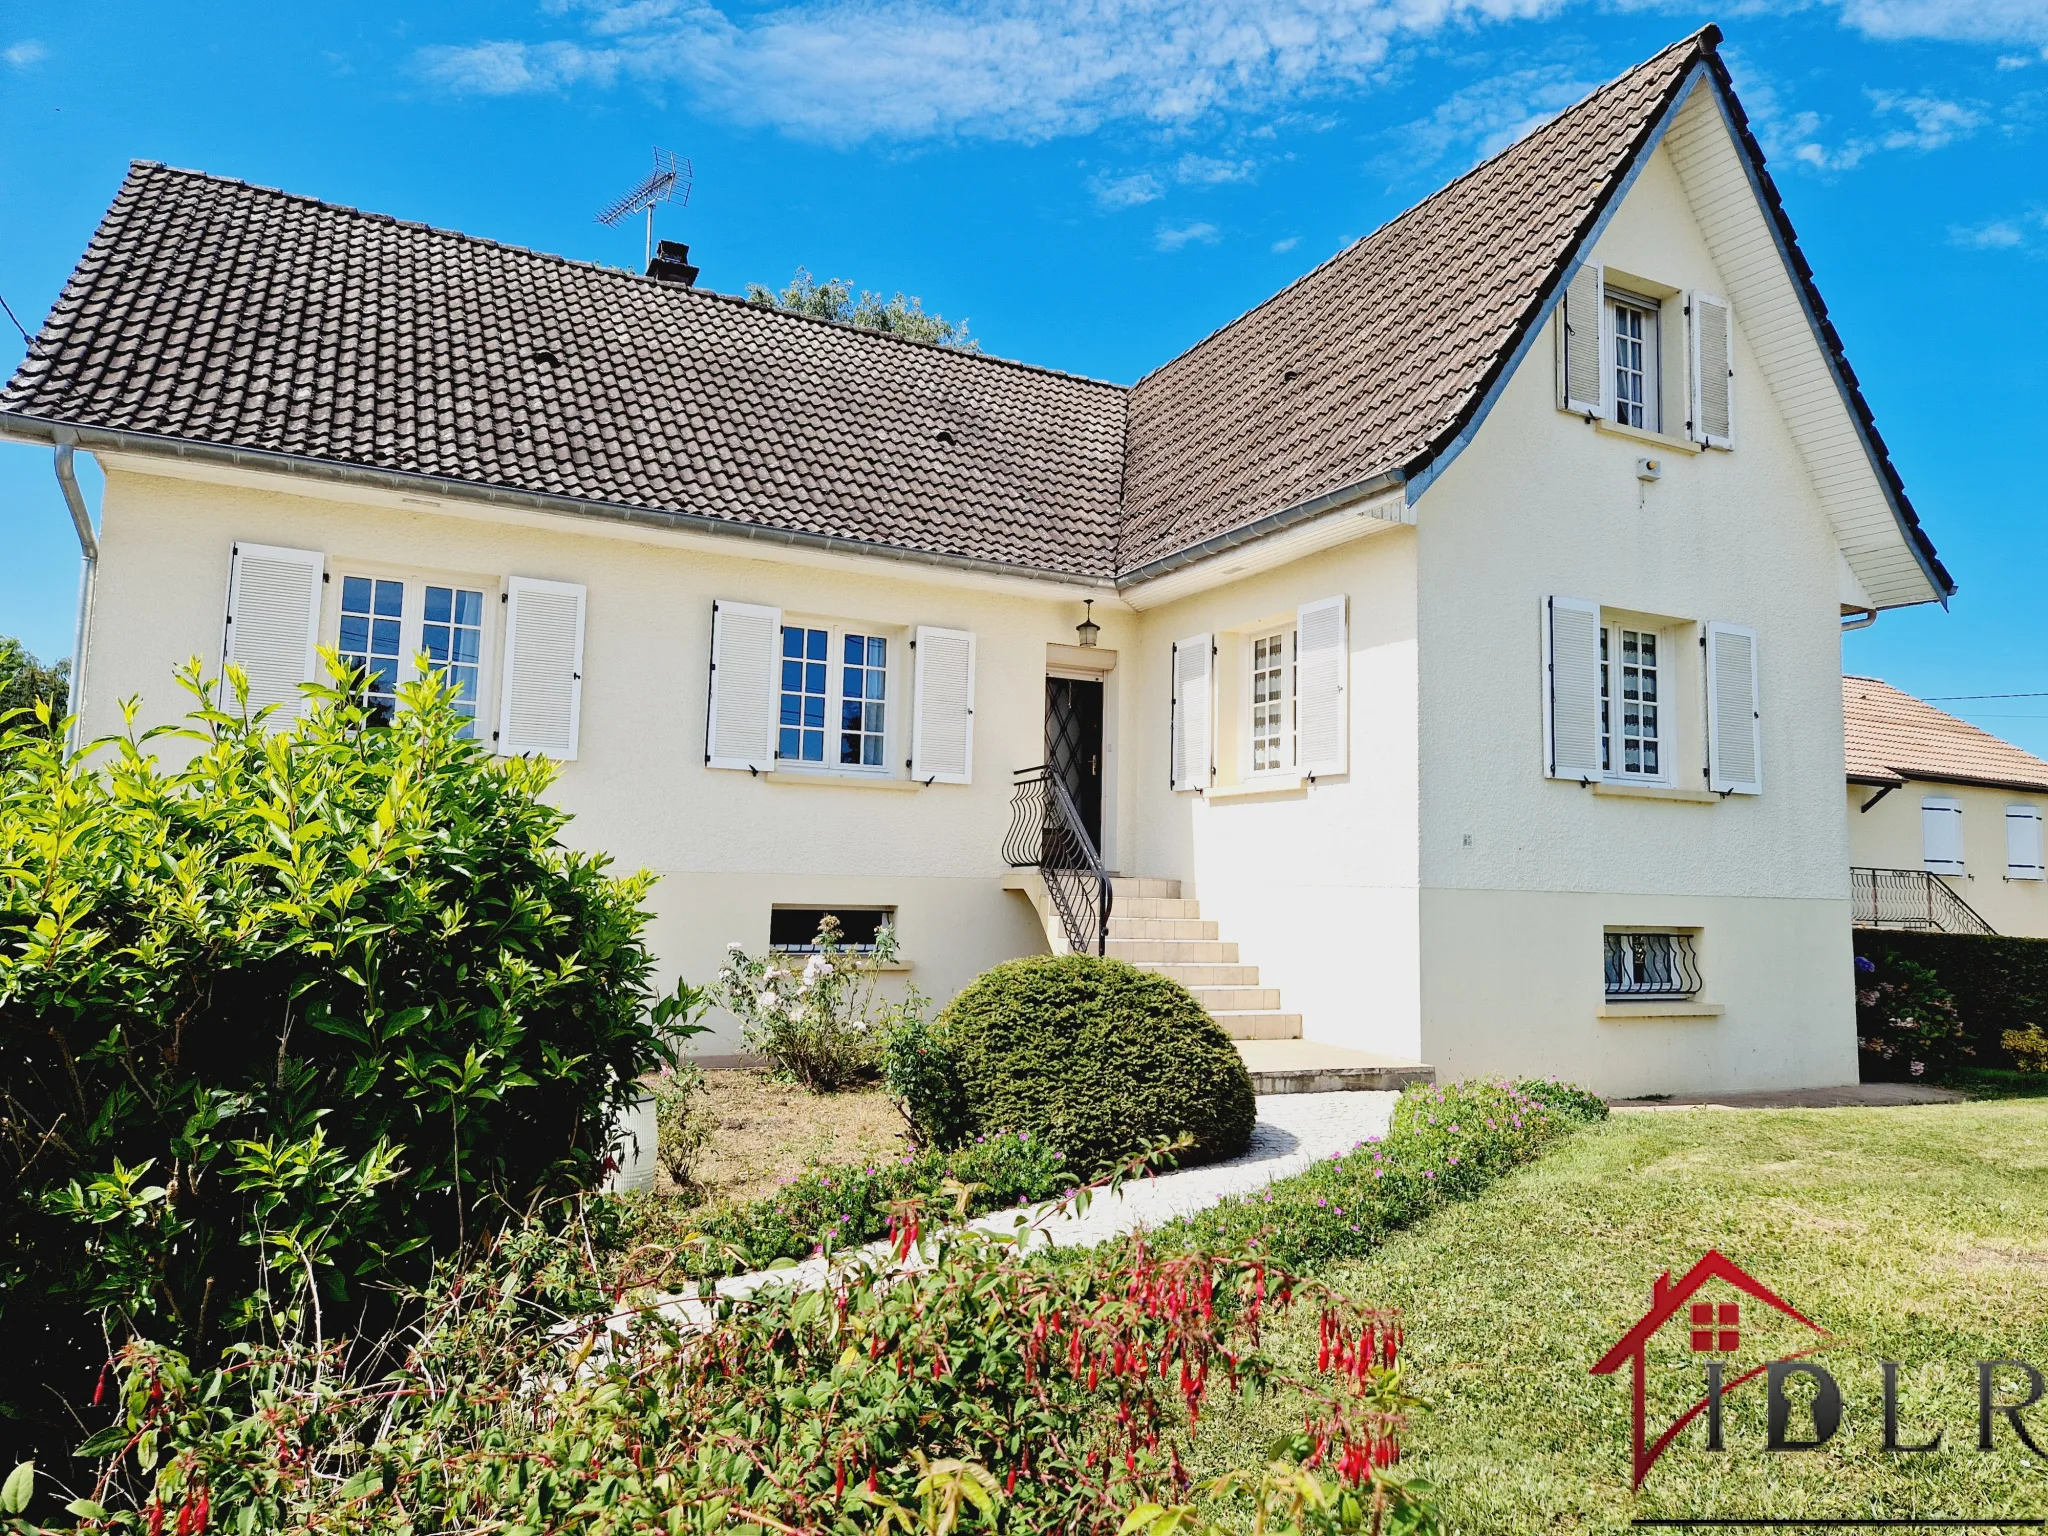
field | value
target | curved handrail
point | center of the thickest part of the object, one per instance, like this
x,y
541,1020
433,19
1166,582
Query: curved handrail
x,y
1046,833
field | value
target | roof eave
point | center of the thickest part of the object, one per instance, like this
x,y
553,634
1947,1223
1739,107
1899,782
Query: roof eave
x,y
21,427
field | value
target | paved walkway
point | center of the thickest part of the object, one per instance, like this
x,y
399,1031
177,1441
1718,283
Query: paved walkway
x,y
1293,1130
1849,1095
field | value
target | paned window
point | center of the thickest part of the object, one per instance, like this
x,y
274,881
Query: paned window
x,y
1635,363
833,715
372,614
1630,739
805,679
452,635
1272,699
1650,965
864,687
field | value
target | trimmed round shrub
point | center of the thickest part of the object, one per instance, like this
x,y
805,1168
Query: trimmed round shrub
x,y
1097,1057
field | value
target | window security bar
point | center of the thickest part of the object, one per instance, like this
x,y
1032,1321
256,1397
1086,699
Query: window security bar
x,y
1909,898
1651,965
1046,833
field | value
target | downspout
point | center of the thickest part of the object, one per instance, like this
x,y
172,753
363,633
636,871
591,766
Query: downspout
x,y
1867,618
89,558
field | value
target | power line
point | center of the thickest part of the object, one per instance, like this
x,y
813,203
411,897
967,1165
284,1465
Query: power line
x,y
10,315
1950,698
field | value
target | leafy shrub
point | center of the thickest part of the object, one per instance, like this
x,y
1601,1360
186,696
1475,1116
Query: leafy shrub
x,y
979,1391
924,1081
1098,1057
819,1018
1997,982
1445,1143
284,1024
1906,1020
2028,1047
1565,1099
682,1124
839,1206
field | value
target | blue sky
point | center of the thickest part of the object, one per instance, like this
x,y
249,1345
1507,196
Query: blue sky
x,y
1095,184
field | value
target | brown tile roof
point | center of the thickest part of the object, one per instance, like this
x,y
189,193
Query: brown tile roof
x,y
1892,736
213,312
216,311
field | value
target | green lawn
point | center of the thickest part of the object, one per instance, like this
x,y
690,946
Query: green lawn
x,y
1918,1235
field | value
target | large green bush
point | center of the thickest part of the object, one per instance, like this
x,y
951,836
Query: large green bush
x,y
284,1017
1097,1057
1996,982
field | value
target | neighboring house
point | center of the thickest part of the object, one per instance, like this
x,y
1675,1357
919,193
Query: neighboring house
x,y
1944,819
1464,690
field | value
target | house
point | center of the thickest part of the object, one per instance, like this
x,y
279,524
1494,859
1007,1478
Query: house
x,y
1441,659
1944,819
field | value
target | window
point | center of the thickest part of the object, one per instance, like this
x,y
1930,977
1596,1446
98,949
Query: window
x,y
1272,702
372,614
1941,835
794,930
854,693
1629,725
1633,324
1650,965
386,623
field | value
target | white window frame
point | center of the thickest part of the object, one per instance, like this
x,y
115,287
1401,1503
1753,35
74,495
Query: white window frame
x,y
412,618
1652,364
1946,805
1290,736
1610,703
894,700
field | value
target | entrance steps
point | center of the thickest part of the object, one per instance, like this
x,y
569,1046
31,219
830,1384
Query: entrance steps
x,y
1157,929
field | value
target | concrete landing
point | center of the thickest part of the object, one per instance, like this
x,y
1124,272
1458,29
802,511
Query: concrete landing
x,y
1304,1066
1849,1095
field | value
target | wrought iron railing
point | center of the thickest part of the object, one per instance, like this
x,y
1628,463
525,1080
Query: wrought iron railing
x,y
1046,834
1909,898
1647,965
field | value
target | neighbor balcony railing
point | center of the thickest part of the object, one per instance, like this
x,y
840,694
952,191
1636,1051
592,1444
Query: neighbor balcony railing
x,y
1046,834
1651,965
1909,898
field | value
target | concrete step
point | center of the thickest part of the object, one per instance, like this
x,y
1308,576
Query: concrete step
x,y
1207,975
1143,885
1305,1066
1259,1025
1134,927
1222,1000
1174,951
1153,906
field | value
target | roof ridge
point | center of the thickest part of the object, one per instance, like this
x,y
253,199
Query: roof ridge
x,y
1690,40
626,273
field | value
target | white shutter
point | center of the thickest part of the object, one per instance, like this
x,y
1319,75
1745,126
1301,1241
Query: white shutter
x,y
1711,347
273,624
1571,688
1941,835
739,728
942,729
1322,657
541,700
1735,763
2023,843
1192,752
1582,323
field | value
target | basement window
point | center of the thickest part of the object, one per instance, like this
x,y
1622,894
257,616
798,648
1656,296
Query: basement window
x,y
794,930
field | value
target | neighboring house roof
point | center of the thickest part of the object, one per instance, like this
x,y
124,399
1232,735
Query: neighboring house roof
x,y
1892,737
212,312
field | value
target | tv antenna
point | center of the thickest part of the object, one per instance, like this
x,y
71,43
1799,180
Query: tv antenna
x,y
669,181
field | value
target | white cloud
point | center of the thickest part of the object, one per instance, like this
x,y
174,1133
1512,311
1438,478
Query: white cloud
x,y
845,70
1487,116
1281,247
1995,236
1176,239
1205,170
1119,192
1936,123
1904,120
24,53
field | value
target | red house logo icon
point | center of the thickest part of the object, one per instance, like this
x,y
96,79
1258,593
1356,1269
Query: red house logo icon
x,y
1712,1328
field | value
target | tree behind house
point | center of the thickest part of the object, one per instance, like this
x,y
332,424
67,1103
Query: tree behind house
x,y
25,682
834,299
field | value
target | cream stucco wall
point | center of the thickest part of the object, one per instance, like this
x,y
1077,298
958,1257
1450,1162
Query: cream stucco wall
x,y
1887,836
727,846
1520,873
1315,883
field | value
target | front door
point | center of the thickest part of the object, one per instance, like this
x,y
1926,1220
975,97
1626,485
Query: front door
x,y
1073,745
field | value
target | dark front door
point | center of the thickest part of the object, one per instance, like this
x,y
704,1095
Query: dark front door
x,y
1073,746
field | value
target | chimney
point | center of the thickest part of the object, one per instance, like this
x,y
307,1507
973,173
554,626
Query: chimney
x,y
671,264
